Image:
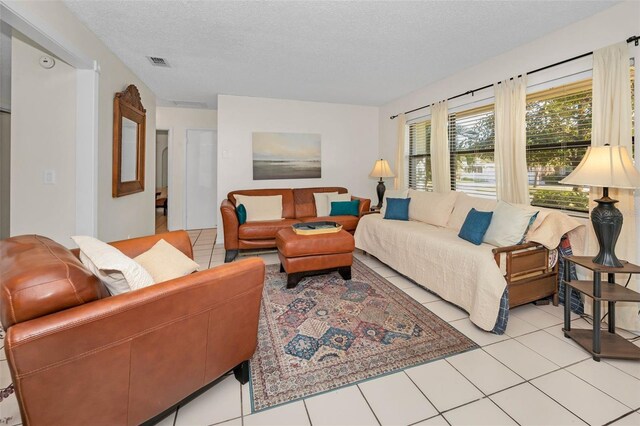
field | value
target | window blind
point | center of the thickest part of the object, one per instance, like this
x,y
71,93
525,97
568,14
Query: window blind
x,y
558,135
420,156
471,143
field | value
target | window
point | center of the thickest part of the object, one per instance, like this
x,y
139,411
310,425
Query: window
x,y
420,156
471,144
558,135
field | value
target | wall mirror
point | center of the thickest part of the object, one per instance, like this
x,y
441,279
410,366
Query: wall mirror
x,y
129,118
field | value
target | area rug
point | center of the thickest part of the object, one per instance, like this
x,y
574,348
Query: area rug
x,y
328,333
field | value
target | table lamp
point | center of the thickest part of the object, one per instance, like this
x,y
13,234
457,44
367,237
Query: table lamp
x,y
381,170
607,167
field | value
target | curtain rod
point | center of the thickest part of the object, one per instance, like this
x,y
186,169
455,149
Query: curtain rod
x,y
632,39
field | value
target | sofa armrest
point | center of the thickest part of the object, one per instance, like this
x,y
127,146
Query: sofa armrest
x,y
126,358
516,247
136,246
230,225
365,205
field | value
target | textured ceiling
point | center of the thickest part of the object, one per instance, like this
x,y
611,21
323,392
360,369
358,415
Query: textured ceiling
x,y
366,53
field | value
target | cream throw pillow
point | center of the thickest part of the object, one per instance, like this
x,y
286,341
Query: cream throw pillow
x,y
322,203
392,193
118,272
261,207
165,262
509,224
431,207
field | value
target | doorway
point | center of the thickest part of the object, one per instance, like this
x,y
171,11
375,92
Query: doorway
x,y
201,176
162,180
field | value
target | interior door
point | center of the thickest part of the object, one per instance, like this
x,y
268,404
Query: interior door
x,y
201,170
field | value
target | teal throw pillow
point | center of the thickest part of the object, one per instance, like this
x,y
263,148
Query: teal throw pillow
x,y
241,212
475,226
397,209
345,208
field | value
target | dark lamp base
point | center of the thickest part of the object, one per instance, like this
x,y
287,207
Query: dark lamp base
x,y
380,189
607,224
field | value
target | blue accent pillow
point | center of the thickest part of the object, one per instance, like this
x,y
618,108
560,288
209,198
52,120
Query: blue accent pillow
x,y
241,212
345,208
475,226
397,209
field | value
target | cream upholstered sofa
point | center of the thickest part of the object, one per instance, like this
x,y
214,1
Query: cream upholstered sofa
x,y
481,279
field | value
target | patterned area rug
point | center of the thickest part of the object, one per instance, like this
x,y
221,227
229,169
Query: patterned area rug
x,y
328,333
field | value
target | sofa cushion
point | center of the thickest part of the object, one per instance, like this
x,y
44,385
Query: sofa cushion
x,y
431,207
463,205
261,207
264,230
38,277
117,271
165,262
305,203
349,223
509,225
288,208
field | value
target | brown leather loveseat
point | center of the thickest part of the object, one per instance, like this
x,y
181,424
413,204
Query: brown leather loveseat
x,y
298,205
80,356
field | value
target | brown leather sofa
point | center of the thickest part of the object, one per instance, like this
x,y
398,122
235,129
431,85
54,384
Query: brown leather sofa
x,y
80,356
298,205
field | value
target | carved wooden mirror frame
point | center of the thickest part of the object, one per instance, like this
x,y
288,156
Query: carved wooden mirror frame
x,y
127,104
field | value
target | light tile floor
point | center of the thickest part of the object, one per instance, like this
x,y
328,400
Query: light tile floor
x,y
529,375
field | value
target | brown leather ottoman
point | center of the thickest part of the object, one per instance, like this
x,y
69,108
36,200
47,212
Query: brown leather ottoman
x,y
302,255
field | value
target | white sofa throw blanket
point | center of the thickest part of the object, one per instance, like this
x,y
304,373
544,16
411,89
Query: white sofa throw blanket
x,y
462,273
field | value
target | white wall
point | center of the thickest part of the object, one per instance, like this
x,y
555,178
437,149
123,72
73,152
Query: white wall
x,y
349,142
123,217
610,26
43,138
5,173
177,121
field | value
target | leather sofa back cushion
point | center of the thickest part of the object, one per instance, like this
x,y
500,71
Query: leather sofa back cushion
x,y
305,202
288,209
431,207
38,277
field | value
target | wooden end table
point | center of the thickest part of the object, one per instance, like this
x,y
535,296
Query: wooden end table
x,y
600,344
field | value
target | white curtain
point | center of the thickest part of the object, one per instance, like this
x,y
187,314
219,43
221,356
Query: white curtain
x,y
440,161
612,124
512,181
399,181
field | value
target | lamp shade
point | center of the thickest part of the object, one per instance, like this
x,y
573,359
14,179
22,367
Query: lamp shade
x,y
605,166
381,169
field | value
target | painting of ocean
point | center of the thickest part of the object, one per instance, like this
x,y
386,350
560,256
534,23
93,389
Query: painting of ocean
x,y
286,156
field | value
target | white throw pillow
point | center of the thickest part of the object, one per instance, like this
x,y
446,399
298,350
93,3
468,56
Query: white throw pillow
x,y
118,272
165,262
431,207
322,203
463,205
261,207
392,193
509,224
336,197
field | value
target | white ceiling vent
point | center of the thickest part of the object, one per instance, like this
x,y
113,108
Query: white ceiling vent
x,y
190,104
157,61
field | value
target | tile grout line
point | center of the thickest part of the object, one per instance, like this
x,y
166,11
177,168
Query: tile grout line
x,y
369,405
307,411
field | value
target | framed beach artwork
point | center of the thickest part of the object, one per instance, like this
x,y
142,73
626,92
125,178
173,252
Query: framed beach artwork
x,y
286,156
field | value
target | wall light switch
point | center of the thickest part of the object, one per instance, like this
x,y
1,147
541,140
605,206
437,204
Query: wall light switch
x,y
49,177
